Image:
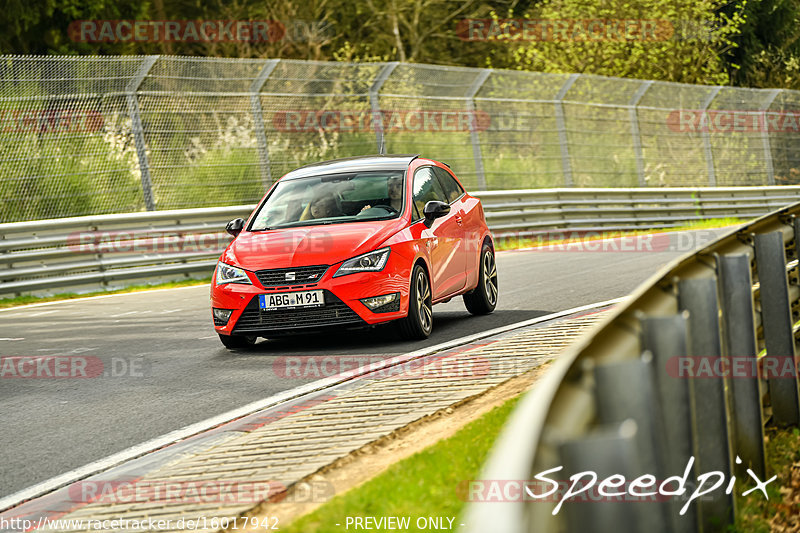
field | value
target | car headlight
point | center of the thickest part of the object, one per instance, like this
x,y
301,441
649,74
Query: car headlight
x,y
369,262
231,274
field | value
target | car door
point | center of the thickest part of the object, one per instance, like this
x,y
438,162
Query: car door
x,y
455,197
444,237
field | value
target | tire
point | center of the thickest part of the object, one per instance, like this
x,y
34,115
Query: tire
x,y
483,299
236,342
418,324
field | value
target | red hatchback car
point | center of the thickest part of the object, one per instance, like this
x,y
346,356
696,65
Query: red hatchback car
x,y
354,243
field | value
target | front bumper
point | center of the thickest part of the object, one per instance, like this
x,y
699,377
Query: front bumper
x,y
342,309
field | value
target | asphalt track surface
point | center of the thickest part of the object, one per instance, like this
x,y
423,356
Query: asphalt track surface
x,y
172,371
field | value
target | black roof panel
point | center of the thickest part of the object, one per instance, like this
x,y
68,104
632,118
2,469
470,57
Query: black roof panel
x,y
354,164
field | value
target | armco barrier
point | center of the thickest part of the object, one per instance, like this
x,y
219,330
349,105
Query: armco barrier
x,y
96,252
694,364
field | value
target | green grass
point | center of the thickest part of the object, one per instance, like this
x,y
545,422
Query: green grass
x,y
754,511
515,244
26,300
422,485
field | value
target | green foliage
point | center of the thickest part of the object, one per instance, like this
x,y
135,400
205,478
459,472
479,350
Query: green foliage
x,y
667,40
768,51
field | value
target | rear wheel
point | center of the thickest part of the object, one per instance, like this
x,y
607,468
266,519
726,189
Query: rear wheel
x,y
483,299
418,324
237,342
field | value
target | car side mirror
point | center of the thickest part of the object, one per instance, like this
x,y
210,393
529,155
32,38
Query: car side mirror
x,y
235,226
434,210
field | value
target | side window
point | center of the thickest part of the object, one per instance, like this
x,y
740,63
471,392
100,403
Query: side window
x,y
427,188
449,184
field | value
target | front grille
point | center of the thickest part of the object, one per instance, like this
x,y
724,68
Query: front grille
x,y
302,275
334,313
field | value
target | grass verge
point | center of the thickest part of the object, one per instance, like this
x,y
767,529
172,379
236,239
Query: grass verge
x,y
514,243
26,300
422,485
781,512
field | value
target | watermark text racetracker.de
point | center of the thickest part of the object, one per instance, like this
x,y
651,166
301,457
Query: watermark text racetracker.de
x,y
72,367
377,367
194,31
587,486
599,241
200,523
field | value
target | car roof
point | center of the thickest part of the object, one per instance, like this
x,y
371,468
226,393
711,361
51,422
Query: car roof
x,y
353,164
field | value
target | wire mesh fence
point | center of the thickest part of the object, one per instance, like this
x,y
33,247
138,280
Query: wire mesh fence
x,y
92,135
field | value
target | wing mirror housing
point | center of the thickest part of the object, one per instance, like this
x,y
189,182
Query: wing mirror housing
x,y
235,226
434,210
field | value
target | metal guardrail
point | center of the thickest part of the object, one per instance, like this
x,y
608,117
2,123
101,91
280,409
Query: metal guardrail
x,y
614,403
96,252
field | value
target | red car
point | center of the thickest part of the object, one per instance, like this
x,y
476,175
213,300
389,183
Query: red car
x,y
353,243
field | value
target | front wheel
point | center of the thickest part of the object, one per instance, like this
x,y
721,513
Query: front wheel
x,y
483,299
418,324
236,342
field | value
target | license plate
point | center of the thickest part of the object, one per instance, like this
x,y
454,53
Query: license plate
x,y
291,300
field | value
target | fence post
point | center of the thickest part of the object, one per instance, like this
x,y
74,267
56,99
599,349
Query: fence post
x,y
710,420
473,127
765,137
377,117
637,137
625,390
776,319
561,127
747,419
666,337
138,131
609,450
712,175
258,120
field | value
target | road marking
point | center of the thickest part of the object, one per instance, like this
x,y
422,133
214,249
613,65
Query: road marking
x,y
139,450
44,313
123,314
12,338
101,296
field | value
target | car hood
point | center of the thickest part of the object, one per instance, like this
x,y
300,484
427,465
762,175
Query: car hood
x,y
309,245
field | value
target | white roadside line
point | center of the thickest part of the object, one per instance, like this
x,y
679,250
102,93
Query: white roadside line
x,y
139,450
84,298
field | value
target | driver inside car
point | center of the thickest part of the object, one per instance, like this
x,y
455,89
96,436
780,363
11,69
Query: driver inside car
x,y
395,200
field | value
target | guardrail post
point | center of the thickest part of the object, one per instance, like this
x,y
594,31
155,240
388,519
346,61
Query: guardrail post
x,y
561,127
377,116
138,130
739,340
637,137
765,136
607,451
624,391
709,429
666,338
776,319
258,120
473,127
709,154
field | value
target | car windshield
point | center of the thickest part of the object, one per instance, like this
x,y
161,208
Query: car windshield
x,y
333,199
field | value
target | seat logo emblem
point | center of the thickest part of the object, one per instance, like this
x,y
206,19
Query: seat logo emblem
x,y
289,276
